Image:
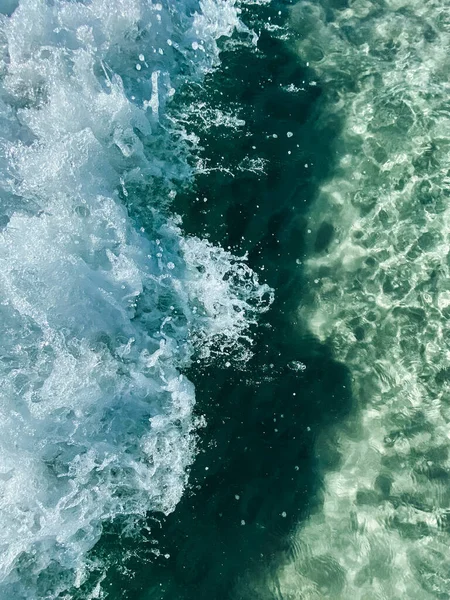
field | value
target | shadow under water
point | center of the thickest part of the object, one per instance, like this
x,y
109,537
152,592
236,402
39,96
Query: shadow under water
x,y
255,475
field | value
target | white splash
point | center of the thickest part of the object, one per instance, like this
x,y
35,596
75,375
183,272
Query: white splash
x,y
96,315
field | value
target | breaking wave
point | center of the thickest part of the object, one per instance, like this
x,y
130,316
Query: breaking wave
x,y
103,301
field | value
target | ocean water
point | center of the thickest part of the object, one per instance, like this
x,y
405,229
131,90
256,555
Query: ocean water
x,y
161,397
105,301
224,297
378,289
254,475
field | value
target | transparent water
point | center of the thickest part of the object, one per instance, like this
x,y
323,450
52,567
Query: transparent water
x,y
378,296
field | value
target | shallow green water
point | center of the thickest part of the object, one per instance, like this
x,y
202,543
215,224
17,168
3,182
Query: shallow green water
x,y
322,468
378,296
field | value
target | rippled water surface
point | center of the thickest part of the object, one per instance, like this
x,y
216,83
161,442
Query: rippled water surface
x,y
378,296
224,298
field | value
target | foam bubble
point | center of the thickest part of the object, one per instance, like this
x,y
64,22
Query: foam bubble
x,y
98,316
379,269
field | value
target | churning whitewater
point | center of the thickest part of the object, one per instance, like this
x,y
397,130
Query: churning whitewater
x,y
102,299
379,275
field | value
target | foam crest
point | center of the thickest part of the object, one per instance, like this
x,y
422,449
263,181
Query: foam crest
x,y
99,316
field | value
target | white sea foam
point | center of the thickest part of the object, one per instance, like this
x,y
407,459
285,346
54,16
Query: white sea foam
x,y
98,316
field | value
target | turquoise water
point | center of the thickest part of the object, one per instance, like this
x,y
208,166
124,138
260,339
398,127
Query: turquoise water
x,y
106,303
255,474
224,298
140,335
378,298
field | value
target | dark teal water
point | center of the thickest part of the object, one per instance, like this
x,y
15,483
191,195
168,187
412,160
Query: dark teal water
x,y
255,476
321,156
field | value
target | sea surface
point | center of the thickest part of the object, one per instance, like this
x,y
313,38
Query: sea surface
x,y
224,298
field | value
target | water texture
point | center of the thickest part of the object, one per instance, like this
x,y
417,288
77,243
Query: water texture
x,y
102,307
163,435
255,475
378,275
